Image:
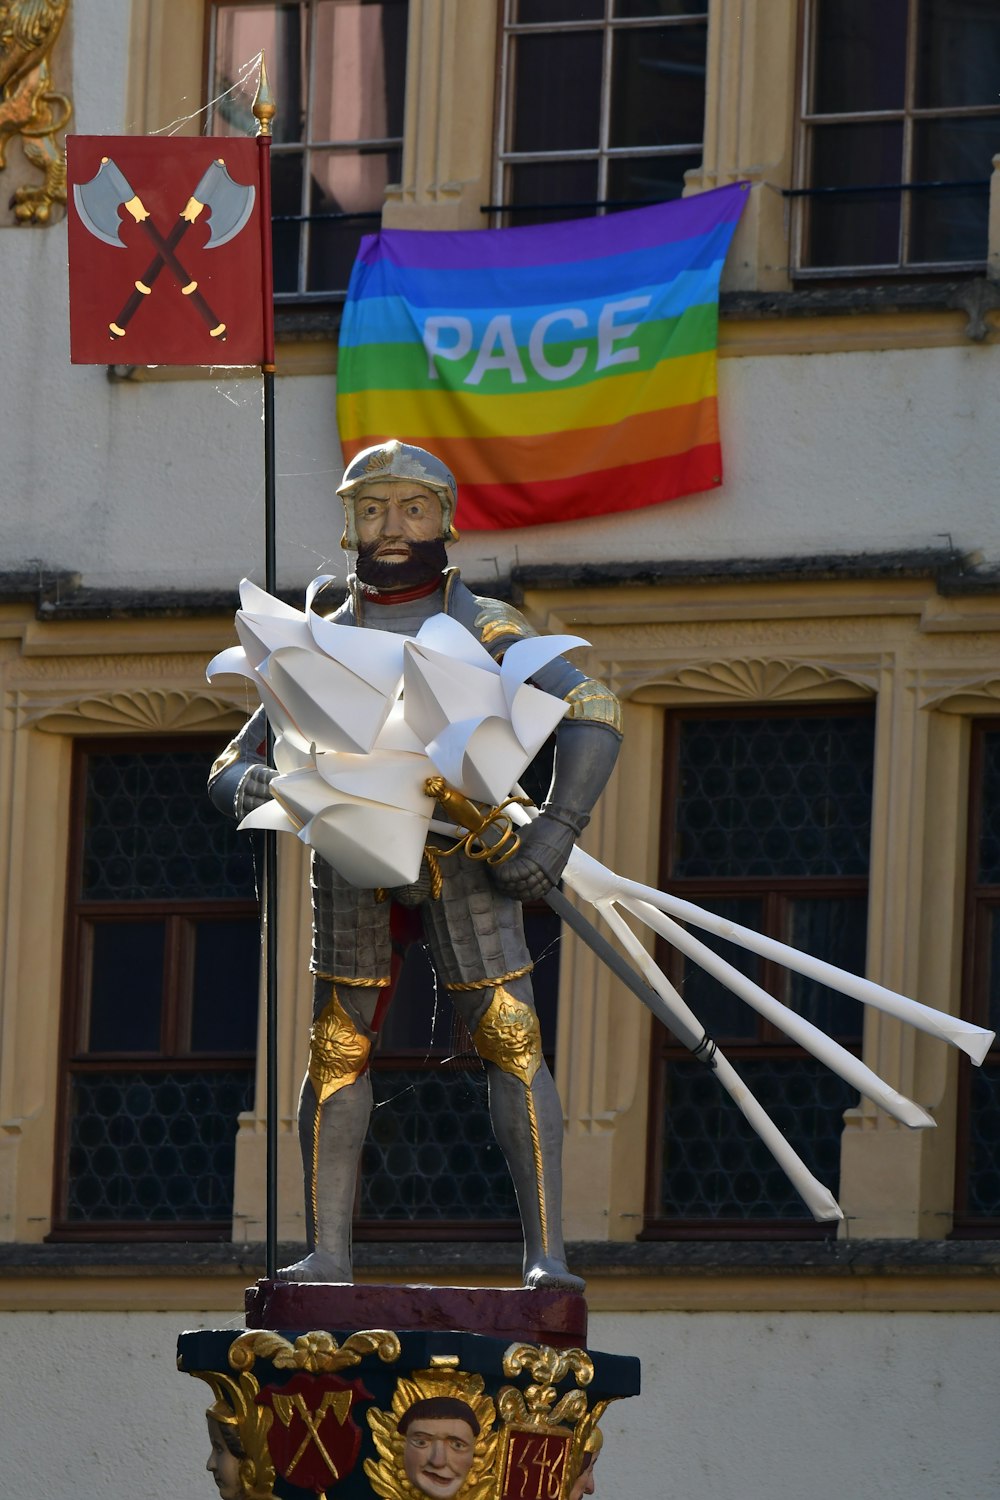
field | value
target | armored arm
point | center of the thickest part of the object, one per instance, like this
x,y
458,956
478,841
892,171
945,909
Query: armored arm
x,y
587,745
239,780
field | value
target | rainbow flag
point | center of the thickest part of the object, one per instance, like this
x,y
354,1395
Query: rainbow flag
x,y
561,371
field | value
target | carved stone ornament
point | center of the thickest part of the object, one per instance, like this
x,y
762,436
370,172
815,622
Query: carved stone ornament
x,y
751,679
136,709
979,695
30,108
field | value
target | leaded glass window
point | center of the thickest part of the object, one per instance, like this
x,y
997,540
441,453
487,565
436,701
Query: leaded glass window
x,y
978,1175
161,996
338,72
430,1165
767,823
602,105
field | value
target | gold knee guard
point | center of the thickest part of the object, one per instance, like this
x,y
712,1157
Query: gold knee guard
x,y
338,1051
510,1037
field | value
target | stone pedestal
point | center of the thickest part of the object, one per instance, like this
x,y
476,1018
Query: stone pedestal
x,y
330,1389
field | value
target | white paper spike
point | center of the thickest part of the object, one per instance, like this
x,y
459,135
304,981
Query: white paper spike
x,y
817,1198
373,657
256,600
808,1036
230,663
446,637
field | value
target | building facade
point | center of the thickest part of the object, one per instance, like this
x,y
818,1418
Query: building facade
x,y
808,663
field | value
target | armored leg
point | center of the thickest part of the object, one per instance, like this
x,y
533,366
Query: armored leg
x,y
477,941
526,1117
334,1109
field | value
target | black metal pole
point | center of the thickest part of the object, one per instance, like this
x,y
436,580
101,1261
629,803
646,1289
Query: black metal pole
x,y
264,110
269,908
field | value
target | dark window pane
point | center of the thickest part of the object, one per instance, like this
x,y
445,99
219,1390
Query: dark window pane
x,y
154,1147
859,55
658,86
984,1141
531,12
557,91
950,224
958,53
224,986
344,182
834,929
716,1167
626,9
641,179
241,31
993,969
988,857
550,182
286,198
723,1015
855,229
774,796
430,1152
359,88
151,833
126,986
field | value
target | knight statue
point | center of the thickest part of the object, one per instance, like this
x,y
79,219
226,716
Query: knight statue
x,y
400,505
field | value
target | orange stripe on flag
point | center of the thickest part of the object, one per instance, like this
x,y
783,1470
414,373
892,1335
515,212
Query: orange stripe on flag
x,y
527,458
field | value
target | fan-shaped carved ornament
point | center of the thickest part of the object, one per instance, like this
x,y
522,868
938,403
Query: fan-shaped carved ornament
x,y
978,696
751,679
135,709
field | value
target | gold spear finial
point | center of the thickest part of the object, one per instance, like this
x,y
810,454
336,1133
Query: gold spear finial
x,y
264,107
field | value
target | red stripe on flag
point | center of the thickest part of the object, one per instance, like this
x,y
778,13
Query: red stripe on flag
x,y
494,507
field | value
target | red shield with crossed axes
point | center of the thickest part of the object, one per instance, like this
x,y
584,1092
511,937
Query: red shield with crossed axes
x,y
165,256
314,1441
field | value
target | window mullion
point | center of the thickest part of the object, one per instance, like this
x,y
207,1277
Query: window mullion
x,y
309,6
604,122
906,165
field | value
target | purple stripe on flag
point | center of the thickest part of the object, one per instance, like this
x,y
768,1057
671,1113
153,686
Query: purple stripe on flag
x,y
554,244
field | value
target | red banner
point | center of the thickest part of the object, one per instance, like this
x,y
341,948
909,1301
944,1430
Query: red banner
x,y
165,263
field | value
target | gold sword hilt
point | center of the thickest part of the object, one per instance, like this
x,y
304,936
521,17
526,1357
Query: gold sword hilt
x,y
503,841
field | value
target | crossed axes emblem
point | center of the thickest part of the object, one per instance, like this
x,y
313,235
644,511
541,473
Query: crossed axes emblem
x,y
228,203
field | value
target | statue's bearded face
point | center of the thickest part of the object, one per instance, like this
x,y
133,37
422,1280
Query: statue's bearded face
x,y
399,526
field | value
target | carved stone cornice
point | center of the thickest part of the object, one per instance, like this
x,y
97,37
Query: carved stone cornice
x,y
130,710
748,679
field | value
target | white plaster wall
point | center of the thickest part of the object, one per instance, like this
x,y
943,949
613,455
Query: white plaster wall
x,y
735,1407
159,485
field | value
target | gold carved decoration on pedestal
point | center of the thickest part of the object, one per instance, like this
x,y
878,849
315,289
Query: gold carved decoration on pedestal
x,y
236,1409
318,1353
544,1440
29,106
388,1477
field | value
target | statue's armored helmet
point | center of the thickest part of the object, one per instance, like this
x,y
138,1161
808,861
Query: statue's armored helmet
x,y
395,460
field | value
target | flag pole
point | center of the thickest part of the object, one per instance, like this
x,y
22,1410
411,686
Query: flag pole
x,y
264,109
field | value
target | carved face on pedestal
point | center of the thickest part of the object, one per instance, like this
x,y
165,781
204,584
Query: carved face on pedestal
x,y
223,1464
439,1447
584,1482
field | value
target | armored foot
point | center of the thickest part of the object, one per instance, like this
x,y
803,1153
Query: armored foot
x,y
319,1265
548,1274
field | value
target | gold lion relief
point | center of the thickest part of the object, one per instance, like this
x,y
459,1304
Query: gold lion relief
x,y
31,109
